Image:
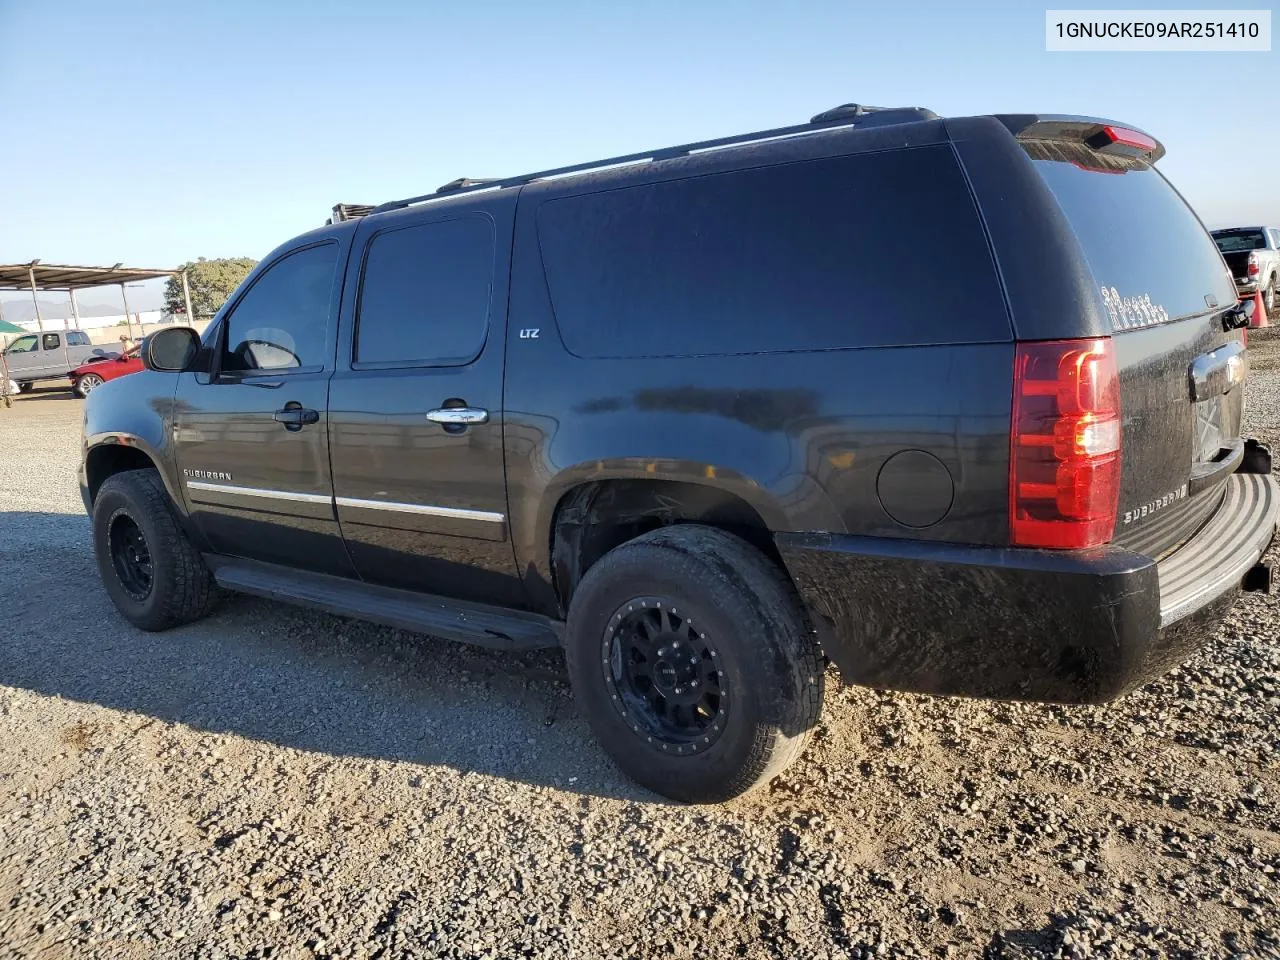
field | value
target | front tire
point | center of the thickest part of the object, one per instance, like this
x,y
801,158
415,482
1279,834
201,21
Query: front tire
x,y
24,386
152,572
694,663
87,384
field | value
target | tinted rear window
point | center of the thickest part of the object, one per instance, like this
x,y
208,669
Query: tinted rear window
x,y
425,294
815,255
1149,254
1238,241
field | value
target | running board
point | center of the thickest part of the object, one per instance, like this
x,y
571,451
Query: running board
x,y
474,623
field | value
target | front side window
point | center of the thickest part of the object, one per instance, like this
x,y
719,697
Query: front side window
x,y
52,341
23,345
282,322
425,294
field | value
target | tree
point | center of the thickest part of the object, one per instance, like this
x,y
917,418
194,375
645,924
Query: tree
x,y
211,282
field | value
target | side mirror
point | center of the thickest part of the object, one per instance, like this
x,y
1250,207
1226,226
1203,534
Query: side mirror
x,y
172,350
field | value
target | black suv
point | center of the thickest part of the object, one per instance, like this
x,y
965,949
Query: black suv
x,y
954,402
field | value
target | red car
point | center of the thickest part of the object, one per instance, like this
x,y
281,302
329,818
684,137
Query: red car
x,y
89,376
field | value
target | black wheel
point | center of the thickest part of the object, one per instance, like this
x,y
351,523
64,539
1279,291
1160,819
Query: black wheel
x,y
24,386
694,663
152,572
1269,296
87,384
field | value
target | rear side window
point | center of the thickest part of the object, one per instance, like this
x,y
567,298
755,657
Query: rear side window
x,y
1149,254
816,255
424,299
77,339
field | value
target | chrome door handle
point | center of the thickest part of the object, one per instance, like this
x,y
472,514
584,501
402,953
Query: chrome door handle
x,y
294,417
458,416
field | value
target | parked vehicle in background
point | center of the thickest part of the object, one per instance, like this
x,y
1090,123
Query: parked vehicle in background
x,y
89,376
1253,256
677,414
49,356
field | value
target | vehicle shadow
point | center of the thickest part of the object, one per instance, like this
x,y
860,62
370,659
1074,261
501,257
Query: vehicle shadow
x,y
290,676
46,390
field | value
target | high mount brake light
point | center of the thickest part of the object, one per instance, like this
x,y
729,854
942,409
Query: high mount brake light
x,y
1129,138
1113,139
1064,458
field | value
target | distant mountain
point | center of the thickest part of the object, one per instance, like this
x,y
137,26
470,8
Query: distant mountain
x,y
22,310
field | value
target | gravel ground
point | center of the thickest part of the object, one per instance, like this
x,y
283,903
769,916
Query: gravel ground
x,y
277,783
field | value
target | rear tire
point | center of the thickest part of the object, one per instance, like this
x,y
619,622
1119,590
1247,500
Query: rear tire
x,y
691,608
1269,296
152,572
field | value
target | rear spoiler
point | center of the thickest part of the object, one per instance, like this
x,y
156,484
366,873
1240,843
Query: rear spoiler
x,y
1104,136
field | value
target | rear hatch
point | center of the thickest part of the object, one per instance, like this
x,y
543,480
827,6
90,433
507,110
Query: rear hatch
x,y
1164,287
1236,244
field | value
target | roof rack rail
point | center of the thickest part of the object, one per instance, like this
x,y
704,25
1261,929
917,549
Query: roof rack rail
x,y
462,182
845,115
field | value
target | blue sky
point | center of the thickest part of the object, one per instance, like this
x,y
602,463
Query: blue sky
x,y
155,133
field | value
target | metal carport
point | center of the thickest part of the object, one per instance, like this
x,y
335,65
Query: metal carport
x,y
36,275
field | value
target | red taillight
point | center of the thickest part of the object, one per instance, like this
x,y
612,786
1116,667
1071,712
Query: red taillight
x,y
1253,264
1129,138
1064,458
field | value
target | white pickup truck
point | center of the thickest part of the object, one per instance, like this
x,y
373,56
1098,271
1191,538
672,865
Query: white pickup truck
x,y
49,356
1253,257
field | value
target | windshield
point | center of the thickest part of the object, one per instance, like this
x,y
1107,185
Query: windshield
x,y
1147,250
1238,241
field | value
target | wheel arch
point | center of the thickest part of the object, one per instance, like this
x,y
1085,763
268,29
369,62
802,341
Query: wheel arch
x,y
104,460
589,518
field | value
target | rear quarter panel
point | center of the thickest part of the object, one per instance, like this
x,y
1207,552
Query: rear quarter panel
x,y
802,437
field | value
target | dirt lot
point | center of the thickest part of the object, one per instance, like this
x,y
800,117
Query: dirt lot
x,y
277,783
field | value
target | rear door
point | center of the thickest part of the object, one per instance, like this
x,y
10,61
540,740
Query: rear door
x,y
1165,291
415,408
53,353
250,435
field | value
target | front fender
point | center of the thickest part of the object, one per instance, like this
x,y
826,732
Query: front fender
x,y
134,413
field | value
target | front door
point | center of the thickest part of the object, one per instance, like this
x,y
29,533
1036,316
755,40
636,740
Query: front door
x,y
416,404
250,433
23,357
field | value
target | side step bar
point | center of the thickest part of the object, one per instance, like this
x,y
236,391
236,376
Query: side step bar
x,y
474,623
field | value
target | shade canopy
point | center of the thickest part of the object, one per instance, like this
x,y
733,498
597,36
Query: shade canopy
x,y
7,327
52,276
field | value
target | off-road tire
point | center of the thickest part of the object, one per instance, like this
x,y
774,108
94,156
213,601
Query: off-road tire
x,y
764,642
1269,296
182,590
